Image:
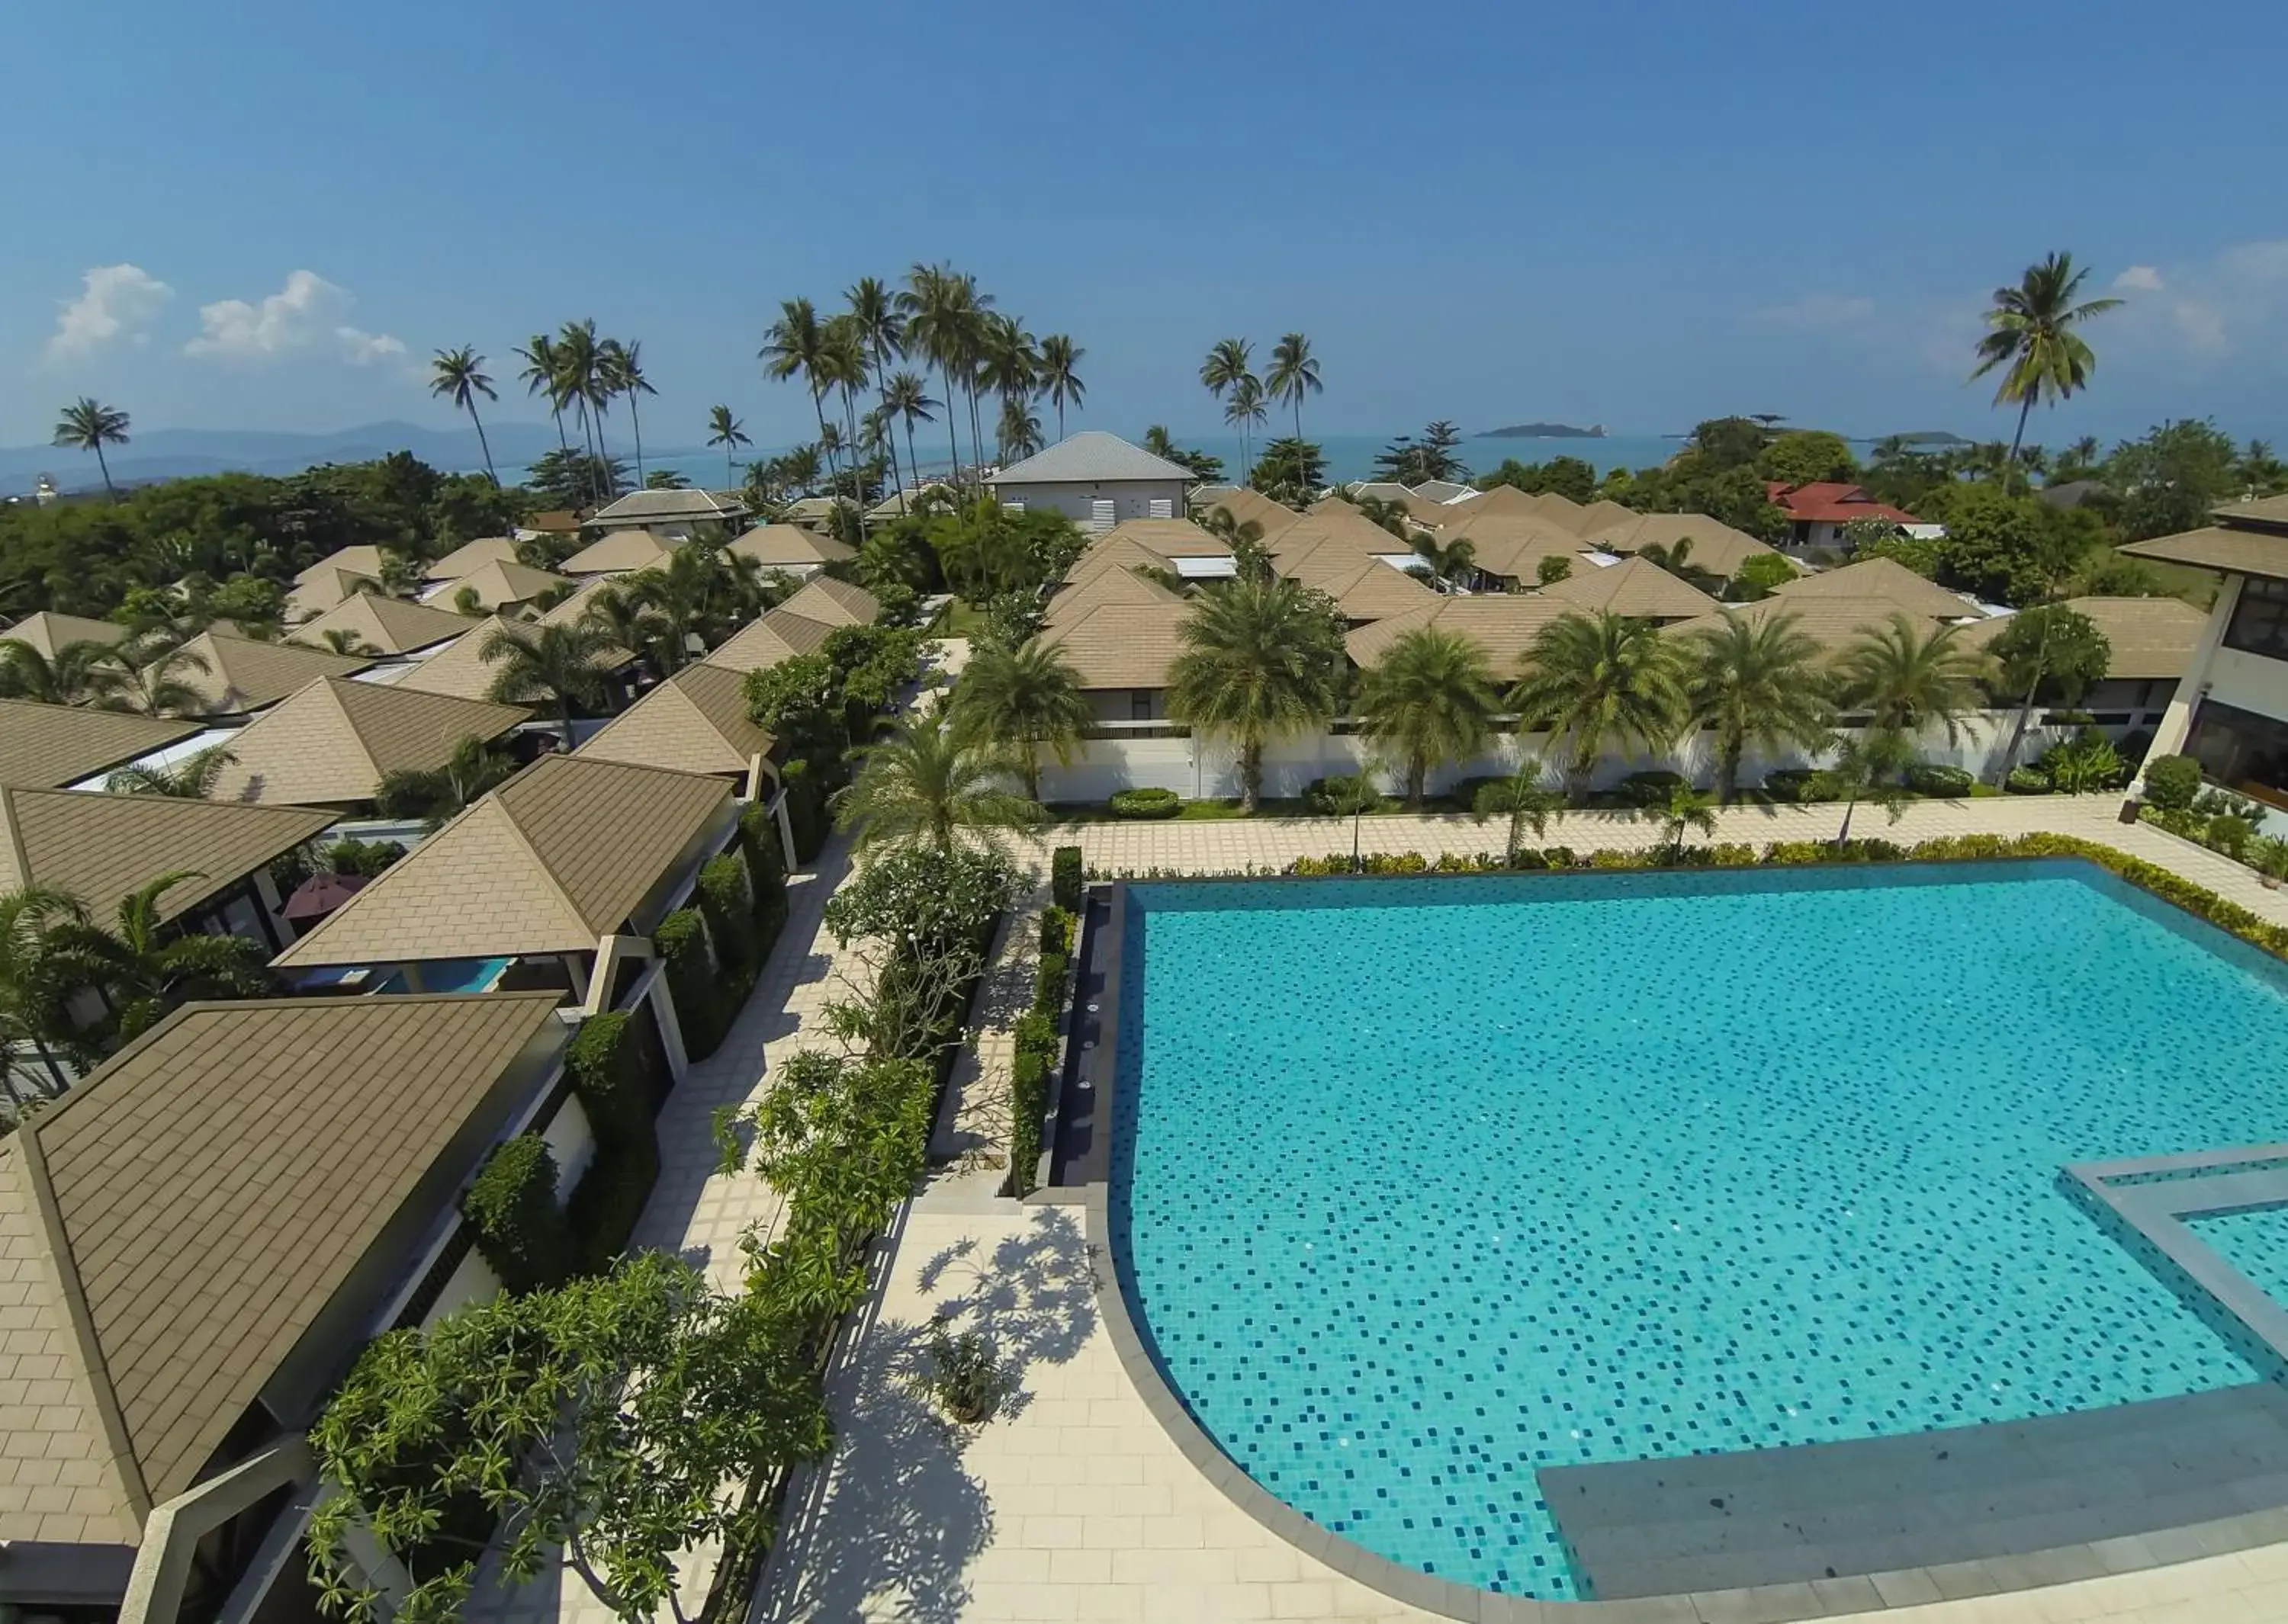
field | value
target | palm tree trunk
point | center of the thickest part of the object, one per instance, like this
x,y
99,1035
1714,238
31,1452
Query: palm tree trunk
x,y
1250,776
857,477
484,445
912,462
104,463
2024,407
1418,777
1727,773
952,440
635,418
2018,731
1844,833
818,406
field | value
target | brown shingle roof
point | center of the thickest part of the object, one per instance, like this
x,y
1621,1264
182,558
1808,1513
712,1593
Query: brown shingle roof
x,y
1371,592
1114,585
315,593
460,668
1502,623
242,674
499,585
2237,550
834,602
618,552
1598,515
1883,578
388,625
783,546
49,745
1635,588
1247,506
1122,647
696,721
1716,547
209,1191
1834,623
330,744
47,631
1512,545
472,556
555,859
774,636
1172,538
360,560
2266,510
2150,638
1111,552
101,847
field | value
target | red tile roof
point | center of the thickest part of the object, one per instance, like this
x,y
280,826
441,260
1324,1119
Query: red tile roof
x,y
1829,502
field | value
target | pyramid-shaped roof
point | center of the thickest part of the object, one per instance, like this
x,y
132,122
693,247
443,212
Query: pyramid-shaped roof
x,y
385,625
101,847
1636,588
243,675
834,602
1099,587
619,552
696,721
470,557
780,634
783,546
47,632
1089,457
48,746
331,743
503,585
1887,579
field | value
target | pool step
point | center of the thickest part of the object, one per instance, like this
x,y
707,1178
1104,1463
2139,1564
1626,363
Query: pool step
x,y
1816,1512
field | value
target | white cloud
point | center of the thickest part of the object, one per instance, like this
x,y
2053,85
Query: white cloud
x,y
114,301
304,315
2139,279
2206,308
1817,313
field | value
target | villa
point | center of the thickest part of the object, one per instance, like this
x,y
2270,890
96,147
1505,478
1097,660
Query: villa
x,y
332,743
242,676
2150,643
320,588
499,589
460,668
50,746
1122,653
1246,506
379,625
673,515
620,553
470,557
798,626
47,631
791,550
696,721
1097,480
1818,510
1636,588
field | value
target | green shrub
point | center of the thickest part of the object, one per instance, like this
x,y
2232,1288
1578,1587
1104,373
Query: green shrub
x,y
1650,788
519,1228
2083,762
1056,930
1342,793
1933,777
1065,878
727,901
2027,780
1145,804
1559,857
2231,835
1028,1104
806,790
2172,782
693,981
1798,784
611,1077
1049,983
609,1198
1528,858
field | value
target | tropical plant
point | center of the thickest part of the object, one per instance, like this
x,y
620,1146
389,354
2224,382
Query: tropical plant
x,y
2032,338
191,779
1521,798
1019,431
1223,374
1429,699
926,783
795,347
2085,763
727,431
1684,809
344,640
149,667
541,375
1451,565
620,369
1599,680
1553,568
1906,677
942,313
87,424
434,795
1870,767
561,666
1009,361
459,376
1020,699
1244,412
145,967
1294,374
80,673
1407,461
2050,644
580,380
1261,659
906,397
33,987
1757,683
881,333
1059,375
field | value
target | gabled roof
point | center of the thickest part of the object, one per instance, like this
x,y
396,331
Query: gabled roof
x,y
319,589
501,585
2150,638
774,636
1598,515
1110,585
330,744
1636,588
1367,590
242,674
1835,624
1246,506
1170,538
1883,578
782,546
1114,550
552,861
1512,545
618,552
834,602
1502,623
1716,546
47,745
1121,646
1504,499
101,847
696,721
1089,457
472,556
1444,490
187,1220
1832,502
387,625
650,507
47,631
2267,512
461,669
360,560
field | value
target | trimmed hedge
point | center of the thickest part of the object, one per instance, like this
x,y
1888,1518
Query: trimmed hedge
x,y
521,1229
1935,779
693,981
1056,930
1065,878
2172,782
2027,780
806,790
607,1067
1144,804
1036,1060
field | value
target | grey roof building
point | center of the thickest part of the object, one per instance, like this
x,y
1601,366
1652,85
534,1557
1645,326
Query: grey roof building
x,y
668,512
1097,480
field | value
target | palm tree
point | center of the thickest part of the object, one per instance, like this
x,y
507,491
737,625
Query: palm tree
x,y
80,673
144,967
1870,767
460,374
1757,683
1520,798
1010,359
1261,659
402,575
1906,679
1429,699
1244,411
624,613
1058,378
941,313
795,347
435,795
1019,701
149,666
1685,810
2031,336
33,988
1019,431
620,367
542,370
874,317
1601,679
341,640
191,779
1453,565
927,783
2046,642
559,665
906,397
727,431
845,369
1294,374
1222,372
579,379
87,424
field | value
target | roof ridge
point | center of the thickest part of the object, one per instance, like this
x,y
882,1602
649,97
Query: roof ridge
x,y
524,839
15,835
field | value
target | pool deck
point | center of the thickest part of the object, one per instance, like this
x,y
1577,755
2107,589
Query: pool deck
x,y
1075,1502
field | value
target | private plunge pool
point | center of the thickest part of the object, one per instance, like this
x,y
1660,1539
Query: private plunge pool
x,y
1423,1188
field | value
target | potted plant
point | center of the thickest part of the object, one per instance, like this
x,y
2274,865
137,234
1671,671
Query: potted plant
x,y
2270,857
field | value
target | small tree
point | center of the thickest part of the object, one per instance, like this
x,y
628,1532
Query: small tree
x,y
1685,810
2052,644
1522,799
1867,768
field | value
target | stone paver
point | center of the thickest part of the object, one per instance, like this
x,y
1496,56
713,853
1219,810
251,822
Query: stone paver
x,y
1073,1504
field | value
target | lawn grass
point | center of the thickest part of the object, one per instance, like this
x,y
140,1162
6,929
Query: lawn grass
x,y
963,619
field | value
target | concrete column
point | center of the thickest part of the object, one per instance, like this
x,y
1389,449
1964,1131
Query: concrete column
x,y
670,1034
2176,723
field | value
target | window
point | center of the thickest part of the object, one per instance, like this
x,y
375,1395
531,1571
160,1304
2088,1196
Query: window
x,y
2240,750
2260,620
1164,507
1139,704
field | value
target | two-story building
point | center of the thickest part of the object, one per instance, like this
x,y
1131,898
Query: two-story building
x,y
1097,480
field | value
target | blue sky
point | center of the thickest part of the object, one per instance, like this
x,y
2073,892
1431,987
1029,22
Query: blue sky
x,y
266,216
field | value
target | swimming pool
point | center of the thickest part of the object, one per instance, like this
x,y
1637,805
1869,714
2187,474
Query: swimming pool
x,y
1420,1185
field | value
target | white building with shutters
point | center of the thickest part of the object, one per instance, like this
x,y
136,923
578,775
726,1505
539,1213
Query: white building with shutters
x,y
1097,480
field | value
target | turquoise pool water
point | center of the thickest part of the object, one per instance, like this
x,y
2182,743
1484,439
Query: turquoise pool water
x,y
1419,1185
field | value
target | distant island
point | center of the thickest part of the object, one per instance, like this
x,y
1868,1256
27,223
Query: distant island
x,y
1542,431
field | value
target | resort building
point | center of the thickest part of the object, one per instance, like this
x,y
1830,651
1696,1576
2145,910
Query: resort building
x,y
2151,643
696,721
320,588
461,669
332,743
241,675
167,1333
1503,624
1704,544
1097,480
1885,580
48,747
620,552
470,556
499,589
2230,709
816,512
371,624
673,515
47,632
791,550
1122,653
1818,510
798,626
1245,506
1636,588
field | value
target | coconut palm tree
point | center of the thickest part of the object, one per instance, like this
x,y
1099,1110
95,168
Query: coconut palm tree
x,y
560,665
144,967
1686,808
1294,374
882,331
1601,680
620,367
1453,565
1429,699
579,363
928,783
80,673
1756,682
1244,411
1019,431
624,613
1019,701
1223,372
459,376
542,369
87,424
148,679
33,984
435,795
2031,338
1906,678
1870,767
942,309
1261,659
795,347
1060,375
191,779
341,640
727,431
1009,365
906,397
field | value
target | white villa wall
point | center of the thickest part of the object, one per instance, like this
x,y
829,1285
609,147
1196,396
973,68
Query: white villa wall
x,y
572,1142
2250,682
1075,499
1201,771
